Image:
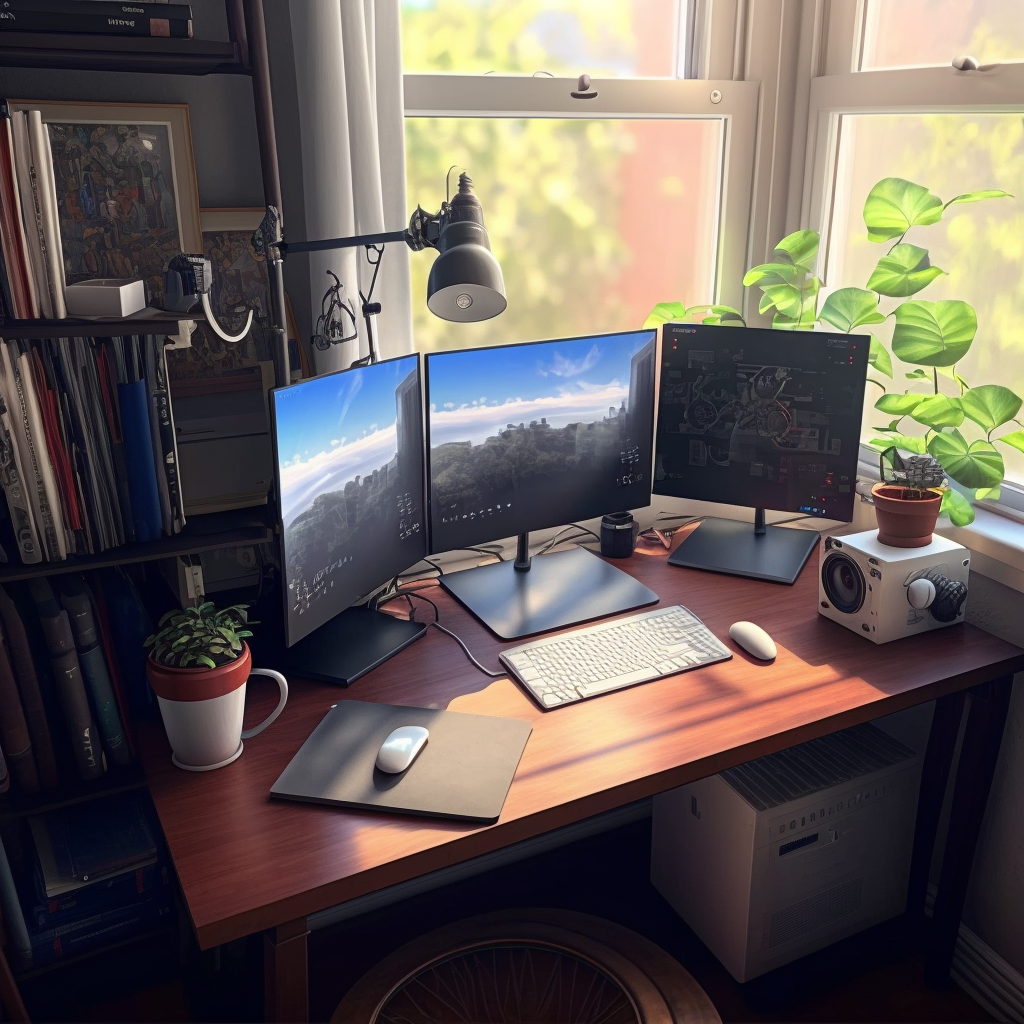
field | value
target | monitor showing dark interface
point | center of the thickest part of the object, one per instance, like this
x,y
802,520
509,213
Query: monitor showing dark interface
x,y
763,419
526,437
349,470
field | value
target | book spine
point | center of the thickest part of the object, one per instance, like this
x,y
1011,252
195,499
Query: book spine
x,y
28,686
60,644
12,198
150,357
14,488
14,735
75,599
138,453
119,891
39,140
108,8
15,260
29,211
20,951
168,439
94,24
28,469
108,385
23,372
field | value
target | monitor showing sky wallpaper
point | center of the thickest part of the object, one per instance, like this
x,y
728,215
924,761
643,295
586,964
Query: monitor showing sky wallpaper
x,y
350,476
524,437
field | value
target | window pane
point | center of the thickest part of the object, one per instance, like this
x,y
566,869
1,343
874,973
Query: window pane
x,y
593,221
919,33
604,38
979,246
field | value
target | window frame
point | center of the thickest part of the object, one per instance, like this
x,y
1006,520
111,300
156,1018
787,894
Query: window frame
x,y
735,103
924,90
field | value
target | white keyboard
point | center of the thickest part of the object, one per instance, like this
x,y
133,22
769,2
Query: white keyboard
x,y
612,655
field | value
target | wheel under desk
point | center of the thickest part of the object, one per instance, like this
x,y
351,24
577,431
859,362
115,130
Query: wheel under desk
x,y
249,864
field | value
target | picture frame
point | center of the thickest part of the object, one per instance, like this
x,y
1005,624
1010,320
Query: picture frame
x,y
126,194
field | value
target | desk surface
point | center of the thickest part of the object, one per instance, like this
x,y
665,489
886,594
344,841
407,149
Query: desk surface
x,y
248,863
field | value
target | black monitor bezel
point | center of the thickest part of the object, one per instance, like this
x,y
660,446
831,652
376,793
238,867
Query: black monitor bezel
x,y
427,476
719,331
290,641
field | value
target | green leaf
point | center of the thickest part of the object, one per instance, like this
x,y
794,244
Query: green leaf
x,y
786,298
957,507
933,333
879,358
903,271
894,205
848,308
917,374
664,312
937,411
802,248
202,659
899,405
725,315
904,442
990,405
977,197
977,464
988,494
1015,439
771,273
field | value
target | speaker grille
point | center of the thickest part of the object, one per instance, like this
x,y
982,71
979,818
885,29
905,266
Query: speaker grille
x,y
815,765
816,911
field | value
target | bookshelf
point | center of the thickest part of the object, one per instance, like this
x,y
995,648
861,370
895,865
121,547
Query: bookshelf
x,y
243,53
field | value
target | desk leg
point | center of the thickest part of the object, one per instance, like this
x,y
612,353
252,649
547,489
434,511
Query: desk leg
x,y
285,973
938,758
986,716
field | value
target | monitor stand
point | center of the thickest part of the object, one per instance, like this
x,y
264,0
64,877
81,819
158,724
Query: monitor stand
x,y
527,596
761,552
342,649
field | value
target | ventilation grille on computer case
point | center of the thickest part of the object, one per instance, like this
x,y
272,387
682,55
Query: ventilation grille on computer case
x,y
816,911
815,765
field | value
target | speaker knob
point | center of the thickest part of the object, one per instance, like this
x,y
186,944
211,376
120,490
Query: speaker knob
x,y
921,593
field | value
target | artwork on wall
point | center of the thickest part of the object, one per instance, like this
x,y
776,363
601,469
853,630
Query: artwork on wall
x,y
240,283
125,184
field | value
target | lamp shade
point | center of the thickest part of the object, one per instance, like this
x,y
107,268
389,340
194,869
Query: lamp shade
x,y
465,282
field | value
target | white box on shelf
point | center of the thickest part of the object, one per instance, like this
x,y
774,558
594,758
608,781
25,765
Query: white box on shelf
x,y
105,296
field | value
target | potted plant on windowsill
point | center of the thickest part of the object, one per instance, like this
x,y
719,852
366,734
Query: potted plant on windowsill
x,y
907,498
198,666
937,413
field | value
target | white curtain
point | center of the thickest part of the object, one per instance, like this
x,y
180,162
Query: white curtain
x,y
348,68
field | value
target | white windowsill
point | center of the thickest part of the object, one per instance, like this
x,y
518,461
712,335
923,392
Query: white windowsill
x,y
996,544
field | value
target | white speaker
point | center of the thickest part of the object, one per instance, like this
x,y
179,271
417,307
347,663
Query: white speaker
x,y
884,593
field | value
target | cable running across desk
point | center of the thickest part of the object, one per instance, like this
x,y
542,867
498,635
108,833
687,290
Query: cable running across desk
x,y
613,655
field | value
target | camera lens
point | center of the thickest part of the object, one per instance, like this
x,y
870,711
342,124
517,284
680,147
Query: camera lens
x,y
843,582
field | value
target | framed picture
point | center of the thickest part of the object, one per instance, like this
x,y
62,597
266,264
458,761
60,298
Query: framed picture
x,y
125,184
240,283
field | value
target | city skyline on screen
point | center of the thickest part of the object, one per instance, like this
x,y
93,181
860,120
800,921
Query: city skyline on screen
x,y
475,394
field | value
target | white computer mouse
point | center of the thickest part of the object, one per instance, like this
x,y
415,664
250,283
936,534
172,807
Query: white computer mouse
x,y
753,639
399,750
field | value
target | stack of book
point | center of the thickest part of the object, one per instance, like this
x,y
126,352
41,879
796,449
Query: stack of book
x,y
72,674
89,875
88,455
97,17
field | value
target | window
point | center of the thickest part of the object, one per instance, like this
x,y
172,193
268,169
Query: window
x,y
953,132
598,208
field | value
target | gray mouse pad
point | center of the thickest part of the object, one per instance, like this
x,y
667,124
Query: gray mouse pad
x,y
464,771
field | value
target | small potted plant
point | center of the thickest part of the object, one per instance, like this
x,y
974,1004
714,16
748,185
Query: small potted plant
x,y
198,666
907,498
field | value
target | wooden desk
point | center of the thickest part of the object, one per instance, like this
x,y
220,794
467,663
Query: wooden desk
x,y
248,864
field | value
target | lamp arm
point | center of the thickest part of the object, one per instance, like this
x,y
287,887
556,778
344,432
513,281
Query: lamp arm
x,y
323,244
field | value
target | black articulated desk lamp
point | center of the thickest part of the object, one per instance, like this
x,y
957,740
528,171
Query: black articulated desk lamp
x,y
465,283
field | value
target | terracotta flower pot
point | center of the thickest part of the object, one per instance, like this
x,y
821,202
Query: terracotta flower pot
x,y
202,709
905,522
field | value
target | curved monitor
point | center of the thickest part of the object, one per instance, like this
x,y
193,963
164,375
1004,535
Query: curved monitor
x,y
530,436
349,465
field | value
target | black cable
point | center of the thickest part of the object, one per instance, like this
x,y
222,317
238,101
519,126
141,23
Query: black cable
x,y
466,650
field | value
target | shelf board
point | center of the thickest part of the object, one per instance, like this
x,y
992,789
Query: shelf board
x,y
148,321
15,805
207,536
76,52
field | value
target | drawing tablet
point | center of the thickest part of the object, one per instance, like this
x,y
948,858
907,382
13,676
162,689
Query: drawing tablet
x,y
464,771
